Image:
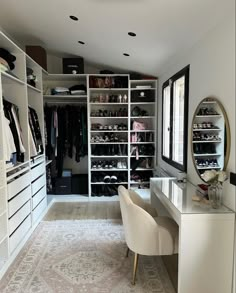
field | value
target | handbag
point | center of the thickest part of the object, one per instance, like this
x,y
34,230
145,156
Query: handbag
x,y
139,125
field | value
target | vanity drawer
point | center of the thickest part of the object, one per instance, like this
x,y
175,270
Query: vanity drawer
x,y
37,171
17,185
16,220
18,201
19,234
37,184
38,197
39,209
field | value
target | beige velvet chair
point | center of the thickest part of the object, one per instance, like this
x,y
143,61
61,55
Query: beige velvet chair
x,y
145,234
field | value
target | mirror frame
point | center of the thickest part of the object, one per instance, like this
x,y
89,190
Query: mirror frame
x,y
227,130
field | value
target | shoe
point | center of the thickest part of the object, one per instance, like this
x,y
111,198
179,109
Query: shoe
x,y
113,179
107,179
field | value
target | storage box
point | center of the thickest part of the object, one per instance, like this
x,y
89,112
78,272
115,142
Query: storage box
x,y
38,54
80,184
73,65
63,185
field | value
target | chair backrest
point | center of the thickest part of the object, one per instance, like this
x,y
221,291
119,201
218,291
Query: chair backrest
x,y
141,230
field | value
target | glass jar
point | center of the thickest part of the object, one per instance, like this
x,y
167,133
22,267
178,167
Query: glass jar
x,y
215,192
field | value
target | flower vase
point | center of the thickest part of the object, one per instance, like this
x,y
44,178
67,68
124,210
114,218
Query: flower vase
x,y
215,192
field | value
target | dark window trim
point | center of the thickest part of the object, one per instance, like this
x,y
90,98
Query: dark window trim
x,y
183,72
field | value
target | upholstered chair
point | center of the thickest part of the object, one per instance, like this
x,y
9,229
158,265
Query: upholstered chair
x,y
145,234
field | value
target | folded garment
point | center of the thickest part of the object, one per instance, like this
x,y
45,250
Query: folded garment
x,y
60,91
8,57
77,92
78,87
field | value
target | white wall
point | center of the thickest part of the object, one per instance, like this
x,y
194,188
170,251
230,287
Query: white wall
x,y
212,73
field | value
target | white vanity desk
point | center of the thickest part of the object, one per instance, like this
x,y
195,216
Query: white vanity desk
x,y
206,237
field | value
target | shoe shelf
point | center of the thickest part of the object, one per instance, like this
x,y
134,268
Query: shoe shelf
x,y
207,129
101,130
30,87
208,167
98,97
142,117
108,170
208,136
8,78
111,142
207,155
139,182
143,169
110,183
101,104
99,117
108,89
146,130
111,156
209,116
143,142
206,141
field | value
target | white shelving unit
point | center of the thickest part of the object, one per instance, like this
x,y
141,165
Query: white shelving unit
x,y
112,107
16,183
143,95
147,103
208,136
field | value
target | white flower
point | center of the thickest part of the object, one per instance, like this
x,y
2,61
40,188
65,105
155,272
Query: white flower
x,y
222,176
209,175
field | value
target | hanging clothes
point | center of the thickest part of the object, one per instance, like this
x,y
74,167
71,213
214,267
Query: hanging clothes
x,y
36,143
66,132
11,113
8,140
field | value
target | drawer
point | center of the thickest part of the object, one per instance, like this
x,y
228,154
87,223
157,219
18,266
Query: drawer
x,y
36,161
16,220
18,184
39,210
37,184
2,174
19,234
37,171
38,197
18,201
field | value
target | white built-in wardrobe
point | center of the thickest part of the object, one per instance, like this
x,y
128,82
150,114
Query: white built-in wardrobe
x,y
23,195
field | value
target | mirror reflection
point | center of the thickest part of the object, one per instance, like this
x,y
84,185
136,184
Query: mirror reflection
x,y
210,136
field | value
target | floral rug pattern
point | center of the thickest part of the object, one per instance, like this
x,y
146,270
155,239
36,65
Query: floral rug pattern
x,y
83,256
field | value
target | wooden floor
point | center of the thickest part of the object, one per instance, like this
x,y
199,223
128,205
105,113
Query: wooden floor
x,y
83,210
101,210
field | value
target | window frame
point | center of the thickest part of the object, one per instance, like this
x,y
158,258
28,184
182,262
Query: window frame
x,y
170,82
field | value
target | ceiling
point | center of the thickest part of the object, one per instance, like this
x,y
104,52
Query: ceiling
x,y
163,28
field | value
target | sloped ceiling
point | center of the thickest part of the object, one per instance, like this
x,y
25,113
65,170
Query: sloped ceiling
x,y
163,28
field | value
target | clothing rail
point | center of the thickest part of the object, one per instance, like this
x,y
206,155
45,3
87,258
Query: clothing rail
x,y
65,102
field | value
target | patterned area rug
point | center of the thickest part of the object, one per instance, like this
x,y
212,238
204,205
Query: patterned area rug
x,y
84,256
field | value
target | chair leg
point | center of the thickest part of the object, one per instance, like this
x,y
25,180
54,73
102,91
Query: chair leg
x,y
136,256
127,252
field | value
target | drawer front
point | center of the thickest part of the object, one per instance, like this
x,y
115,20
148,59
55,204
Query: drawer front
x,y
17,185
38,197
2,174
39,209
15,221
19,234
37,171
18,201
36,185
36,161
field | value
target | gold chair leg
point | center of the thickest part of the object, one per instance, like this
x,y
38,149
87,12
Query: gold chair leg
x,y
136,256
127,252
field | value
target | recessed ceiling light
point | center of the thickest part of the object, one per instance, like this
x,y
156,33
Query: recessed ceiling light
x,y
74,18
80,42
125,54
131,34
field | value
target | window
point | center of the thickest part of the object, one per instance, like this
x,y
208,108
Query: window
x,y
175,119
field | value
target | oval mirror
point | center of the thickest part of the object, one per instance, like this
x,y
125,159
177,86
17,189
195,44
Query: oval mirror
x,y
210,139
